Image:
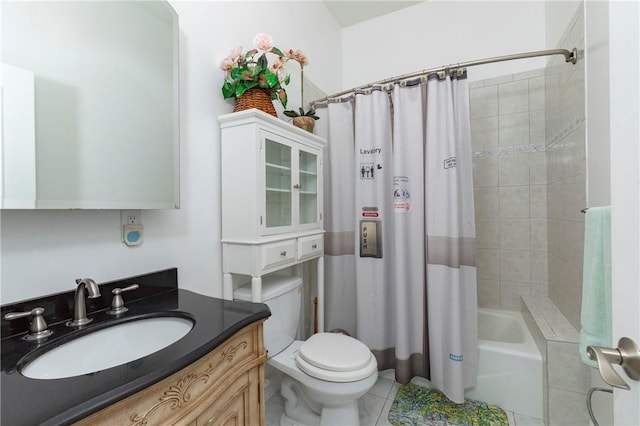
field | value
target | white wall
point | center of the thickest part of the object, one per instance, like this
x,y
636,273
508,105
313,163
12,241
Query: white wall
x,y
436,33
558,13
597,103
42,252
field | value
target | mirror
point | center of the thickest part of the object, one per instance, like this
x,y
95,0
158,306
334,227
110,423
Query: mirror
x,y
89,105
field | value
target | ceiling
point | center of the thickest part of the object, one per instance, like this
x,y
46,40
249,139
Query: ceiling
x,y
349,12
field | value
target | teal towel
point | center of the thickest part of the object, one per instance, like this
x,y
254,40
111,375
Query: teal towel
x,y
595,316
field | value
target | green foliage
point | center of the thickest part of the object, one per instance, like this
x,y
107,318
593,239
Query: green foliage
x,y
244,71
301,113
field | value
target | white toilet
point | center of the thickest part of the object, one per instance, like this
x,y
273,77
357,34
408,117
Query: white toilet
x,y
324,375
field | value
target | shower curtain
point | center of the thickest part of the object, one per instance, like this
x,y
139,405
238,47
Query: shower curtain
x,y
399,187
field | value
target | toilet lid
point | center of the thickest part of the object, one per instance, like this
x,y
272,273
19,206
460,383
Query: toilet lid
x,y
337,376
335,352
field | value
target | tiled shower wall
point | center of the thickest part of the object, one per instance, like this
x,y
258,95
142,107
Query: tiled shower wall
x,y
510,187
566,173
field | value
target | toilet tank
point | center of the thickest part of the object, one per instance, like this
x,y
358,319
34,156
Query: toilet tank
x,y
283,295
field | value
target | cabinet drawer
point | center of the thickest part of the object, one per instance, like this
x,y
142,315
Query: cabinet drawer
x,y
310,246
279,253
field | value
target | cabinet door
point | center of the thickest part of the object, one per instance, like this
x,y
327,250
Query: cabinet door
x,y
309,186
278,172
293,185
239,405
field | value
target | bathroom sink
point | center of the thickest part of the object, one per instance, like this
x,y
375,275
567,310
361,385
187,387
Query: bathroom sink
x,y
108,347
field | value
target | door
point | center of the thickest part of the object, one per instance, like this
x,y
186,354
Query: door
x,y
279,173
309,180
624,42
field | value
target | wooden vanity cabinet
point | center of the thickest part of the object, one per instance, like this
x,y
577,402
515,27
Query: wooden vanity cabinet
x,y
225,387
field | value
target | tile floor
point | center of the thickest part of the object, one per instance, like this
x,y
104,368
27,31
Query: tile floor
x,y
374,406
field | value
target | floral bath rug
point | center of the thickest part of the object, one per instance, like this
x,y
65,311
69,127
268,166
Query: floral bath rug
x,y
417,405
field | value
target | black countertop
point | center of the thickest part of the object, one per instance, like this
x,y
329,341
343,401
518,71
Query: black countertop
x,y
26,401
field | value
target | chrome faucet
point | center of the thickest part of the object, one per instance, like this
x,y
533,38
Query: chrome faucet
x,y
79,305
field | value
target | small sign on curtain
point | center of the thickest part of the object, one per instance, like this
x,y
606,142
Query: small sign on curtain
x,y
401,194
371,238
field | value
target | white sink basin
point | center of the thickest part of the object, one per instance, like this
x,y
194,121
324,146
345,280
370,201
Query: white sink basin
x,y
108,348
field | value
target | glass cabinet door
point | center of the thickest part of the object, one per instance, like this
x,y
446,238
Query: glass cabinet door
x,y
278,184
308,187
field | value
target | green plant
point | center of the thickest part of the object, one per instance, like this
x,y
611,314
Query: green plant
x,y
243,71
301,113
302,60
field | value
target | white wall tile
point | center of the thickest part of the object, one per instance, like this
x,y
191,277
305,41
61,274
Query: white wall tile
x,y
513,97
567,408
515,265
489,294
538,201
488,264
486,202
519,194
566,369
484,132
485,171
514,170
539,234
529,74
498,80
537,93
538,168
537,127
514,129
514,201
515,234
510,293
487,233
483,102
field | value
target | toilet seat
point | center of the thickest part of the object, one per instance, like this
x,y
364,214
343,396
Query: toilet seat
x,y
335,358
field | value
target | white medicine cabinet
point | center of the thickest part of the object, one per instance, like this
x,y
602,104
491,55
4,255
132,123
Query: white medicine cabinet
x,y
291,185
271,198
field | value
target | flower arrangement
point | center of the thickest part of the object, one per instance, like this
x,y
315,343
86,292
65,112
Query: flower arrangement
x,y
243,71
302,60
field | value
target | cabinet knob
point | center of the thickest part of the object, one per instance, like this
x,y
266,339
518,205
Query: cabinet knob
x,y
315,246
283,253
297,186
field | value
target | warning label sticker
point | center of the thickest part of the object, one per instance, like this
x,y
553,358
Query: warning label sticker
x,y
401,194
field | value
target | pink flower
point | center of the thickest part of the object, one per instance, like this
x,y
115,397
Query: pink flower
x,y
232,60
263,41
226,64
278,64
298,55
236,54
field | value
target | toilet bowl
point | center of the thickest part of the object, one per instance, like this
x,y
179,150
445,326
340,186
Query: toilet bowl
x,y
324,375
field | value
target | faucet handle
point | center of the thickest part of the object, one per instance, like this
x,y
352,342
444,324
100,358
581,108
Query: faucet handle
x,y
117,304
37,326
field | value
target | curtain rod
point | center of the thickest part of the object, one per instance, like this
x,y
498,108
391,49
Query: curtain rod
x,y
569,56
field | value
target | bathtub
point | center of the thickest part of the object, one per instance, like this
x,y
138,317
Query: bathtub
x,y
509,364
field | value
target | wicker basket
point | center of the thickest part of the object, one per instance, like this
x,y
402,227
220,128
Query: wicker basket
x,y
306,123
255,98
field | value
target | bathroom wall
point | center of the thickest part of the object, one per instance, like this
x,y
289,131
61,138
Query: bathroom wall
x,y
566,173
435,33
509,173
42,252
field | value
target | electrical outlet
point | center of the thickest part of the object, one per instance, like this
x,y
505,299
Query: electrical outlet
x,y
131,217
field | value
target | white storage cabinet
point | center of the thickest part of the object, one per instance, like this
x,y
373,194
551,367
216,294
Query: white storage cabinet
x,y
271,198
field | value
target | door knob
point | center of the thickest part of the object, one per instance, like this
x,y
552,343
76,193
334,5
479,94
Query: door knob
x,y
626,354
